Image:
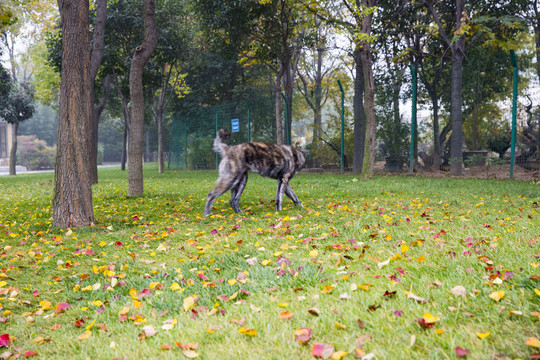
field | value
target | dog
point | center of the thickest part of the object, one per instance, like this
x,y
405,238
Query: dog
x,y
279,162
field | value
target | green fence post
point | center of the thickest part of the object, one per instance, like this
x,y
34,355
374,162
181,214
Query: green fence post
x,y
287,134
514,113
413,116
342,125
186,143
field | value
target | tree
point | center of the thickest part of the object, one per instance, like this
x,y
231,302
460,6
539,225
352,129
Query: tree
x,y
72,201
18,108
140,58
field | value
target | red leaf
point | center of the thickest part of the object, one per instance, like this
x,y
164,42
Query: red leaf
x,y
322,350
461,352
4,340
426,325
30,353
61,307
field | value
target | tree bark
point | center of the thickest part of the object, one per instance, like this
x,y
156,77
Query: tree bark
x,y
72,201
279,124
98,49
369,96
359,115
13,151
140,58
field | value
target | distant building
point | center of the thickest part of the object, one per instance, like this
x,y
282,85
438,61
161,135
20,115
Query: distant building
x,y
5,142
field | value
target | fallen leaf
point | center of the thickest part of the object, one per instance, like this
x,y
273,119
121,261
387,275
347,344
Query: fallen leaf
x,y
4,340
459,291
190,354
322,350
482,336
461,352
430,319
497,295
85,335
338,355
302,335
286,315
149,331
532,341
62,306
30,353
250,332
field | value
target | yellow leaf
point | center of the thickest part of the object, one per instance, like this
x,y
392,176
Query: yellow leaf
x,y
102,243
85,335
133,293
421,258
250,332
153,285
338,355
430,319
497,295
90,325
340,326
532,341
313,253
124,311
388,237
537,291
439,331
3,283
266,262
232,281
189,302
482,336
328,289
45,305
76,288
175,286
404,247
365,287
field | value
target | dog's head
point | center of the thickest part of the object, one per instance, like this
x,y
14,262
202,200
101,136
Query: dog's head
x,y
224,134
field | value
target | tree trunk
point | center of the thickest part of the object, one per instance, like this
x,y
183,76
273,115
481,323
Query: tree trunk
x,y
279,125
369,109
72,201
369,96
13,151
140,58
436,140
358,109
98,49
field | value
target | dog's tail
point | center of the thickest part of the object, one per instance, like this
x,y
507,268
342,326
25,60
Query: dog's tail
x,y
223,135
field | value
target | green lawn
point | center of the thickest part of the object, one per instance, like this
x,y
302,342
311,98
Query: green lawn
x,y
395,268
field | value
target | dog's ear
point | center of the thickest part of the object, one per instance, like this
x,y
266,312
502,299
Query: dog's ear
x,y
224,134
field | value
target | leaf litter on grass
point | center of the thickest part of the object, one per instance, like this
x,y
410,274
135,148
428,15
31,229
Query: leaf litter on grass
x,y
344,277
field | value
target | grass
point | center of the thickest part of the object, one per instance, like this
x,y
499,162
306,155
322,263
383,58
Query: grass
x,y
354,252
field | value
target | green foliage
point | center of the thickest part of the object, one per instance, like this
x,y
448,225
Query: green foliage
x,y
18,106
34,153
43,124
499,141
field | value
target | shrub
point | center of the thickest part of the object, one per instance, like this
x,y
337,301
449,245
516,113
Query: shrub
x,y
499,142
34,153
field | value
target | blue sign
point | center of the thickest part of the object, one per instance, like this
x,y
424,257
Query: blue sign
x,y
235,124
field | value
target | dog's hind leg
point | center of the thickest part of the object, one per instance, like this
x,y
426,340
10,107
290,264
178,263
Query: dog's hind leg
x,y
290,193
222,185
236,193
281,186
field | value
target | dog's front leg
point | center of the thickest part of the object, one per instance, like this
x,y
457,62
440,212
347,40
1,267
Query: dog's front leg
x,y
290,193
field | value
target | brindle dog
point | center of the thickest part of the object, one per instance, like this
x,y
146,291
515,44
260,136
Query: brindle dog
x,y
279,162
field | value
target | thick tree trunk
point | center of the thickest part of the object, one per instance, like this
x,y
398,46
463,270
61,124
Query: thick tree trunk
x,y
359,133
369,109
72,202
13,151
98,49
140,58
